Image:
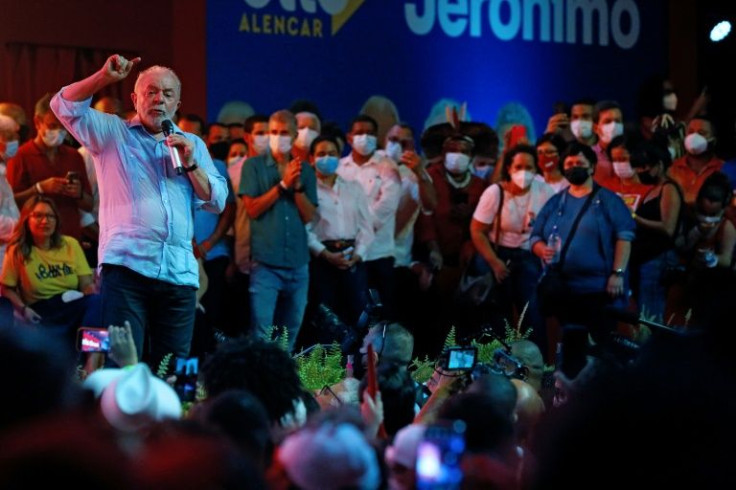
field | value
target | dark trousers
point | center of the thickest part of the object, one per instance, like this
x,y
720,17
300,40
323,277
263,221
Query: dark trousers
x,y
59,320
519,291
380,274
160,312
6,313
345,292
213,302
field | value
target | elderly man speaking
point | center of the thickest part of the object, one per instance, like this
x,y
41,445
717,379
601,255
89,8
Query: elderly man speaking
x,y
149,273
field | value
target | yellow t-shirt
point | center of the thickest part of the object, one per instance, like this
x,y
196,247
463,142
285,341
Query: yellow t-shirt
x,y
46,273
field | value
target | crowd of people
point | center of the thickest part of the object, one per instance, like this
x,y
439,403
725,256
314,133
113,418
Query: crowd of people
x,y
198,240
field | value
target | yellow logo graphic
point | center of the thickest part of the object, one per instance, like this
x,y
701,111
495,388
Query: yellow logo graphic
x,y
340,19
296,23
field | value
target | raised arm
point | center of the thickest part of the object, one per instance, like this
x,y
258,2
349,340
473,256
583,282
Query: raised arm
x,y
115,69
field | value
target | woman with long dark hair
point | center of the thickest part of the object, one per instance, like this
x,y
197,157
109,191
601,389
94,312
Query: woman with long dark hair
x,y
45,274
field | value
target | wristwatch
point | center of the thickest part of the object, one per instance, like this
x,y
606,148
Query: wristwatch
x,y
619,272
191,168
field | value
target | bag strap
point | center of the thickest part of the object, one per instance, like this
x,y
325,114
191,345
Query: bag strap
x,y
575,224
497,220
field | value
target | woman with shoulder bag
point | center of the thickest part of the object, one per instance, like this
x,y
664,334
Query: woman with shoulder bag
x,y
501,229
594,230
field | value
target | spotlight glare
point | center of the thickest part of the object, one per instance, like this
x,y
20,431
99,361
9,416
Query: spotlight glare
x,y
720,31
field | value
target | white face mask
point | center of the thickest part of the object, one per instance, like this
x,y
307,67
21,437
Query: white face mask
x,y
53,137
260,143
365,144
581,129
522,178
695,143
457,163
610,131
669,102
11,148
623,170
280,145
304,138
393,150
233,160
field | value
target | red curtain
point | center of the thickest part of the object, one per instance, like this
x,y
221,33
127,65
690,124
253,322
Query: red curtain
x,y
28,71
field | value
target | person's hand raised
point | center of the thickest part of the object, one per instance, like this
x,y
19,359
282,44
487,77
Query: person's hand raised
x,y
117,67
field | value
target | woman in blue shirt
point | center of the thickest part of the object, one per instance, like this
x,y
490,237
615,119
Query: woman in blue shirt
x,y
594,266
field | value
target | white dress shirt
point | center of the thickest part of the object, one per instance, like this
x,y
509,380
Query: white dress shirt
x,y
343,214
379,178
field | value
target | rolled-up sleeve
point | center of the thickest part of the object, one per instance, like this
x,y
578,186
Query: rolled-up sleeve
x,y
89,127
624,225
540,223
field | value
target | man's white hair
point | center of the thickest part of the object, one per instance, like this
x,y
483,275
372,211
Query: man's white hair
x,y
158,69
312,116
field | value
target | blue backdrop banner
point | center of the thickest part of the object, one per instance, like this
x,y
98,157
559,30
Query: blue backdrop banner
x,y
498,56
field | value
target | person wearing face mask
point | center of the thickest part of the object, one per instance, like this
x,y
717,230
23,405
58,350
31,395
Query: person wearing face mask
x,y
280,196
379,178
608,123
443,236
486,146
417,191
501,239
256,143
214,247
707,247
9,212
579,123
625,181
42,166
149,272
549,170
339,236
308,127
700,160
658,222
594,264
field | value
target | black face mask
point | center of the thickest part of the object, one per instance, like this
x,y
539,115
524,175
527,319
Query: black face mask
x,y
647,179
220,150
577,175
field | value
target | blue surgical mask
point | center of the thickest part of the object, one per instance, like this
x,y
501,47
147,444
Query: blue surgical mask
x,y
11,148
326,165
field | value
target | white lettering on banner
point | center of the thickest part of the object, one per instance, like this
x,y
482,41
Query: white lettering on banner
x,y
558,20
332,7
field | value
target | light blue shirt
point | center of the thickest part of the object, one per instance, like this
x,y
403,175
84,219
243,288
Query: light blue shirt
x,y
205,223
146,209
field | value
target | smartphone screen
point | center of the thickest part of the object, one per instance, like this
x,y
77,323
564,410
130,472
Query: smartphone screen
x,y
438,456
93,340
187,371
461,358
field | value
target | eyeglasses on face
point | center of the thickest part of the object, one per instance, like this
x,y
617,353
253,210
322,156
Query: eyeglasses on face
x,y
42,216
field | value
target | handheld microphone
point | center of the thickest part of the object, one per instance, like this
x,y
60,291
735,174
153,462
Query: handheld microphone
x,y
168,128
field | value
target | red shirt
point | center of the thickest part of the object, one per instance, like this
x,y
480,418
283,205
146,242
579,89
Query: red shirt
x,y
449,224
688,180
31,165
633,194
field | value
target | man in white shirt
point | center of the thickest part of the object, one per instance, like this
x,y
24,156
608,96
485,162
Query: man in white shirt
x,y
379,178
338,236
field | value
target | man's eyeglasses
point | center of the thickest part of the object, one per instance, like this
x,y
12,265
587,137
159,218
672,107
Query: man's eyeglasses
x,y
41,216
